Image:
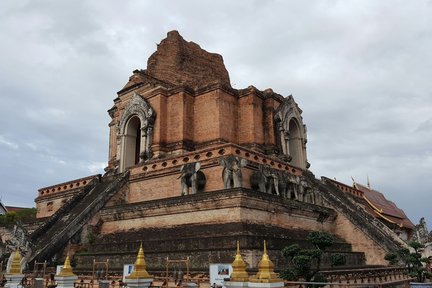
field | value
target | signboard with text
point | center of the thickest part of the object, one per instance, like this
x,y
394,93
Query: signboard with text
x,y
218,272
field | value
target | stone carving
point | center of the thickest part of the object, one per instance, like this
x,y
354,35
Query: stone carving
x,y
288,185
421,233
231,174
140,108
273,181
284,184
192,177
291,134
265,180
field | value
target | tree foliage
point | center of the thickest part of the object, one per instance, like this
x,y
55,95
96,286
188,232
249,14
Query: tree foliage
x,y
23,215
412,260
392,258
305,263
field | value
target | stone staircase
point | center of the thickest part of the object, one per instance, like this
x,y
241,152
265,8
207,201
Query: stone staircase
x,y
368,224
65,223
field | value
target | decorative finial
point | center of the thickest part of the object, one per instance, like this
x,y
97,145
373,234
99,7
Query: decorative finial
x,y
354,183
368,182
16,264
66,269
266,273
239,273
140,266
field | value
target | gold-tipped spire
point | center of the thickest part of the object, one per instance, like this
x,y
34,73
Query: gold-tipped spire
x,y
140,266
16,264
66,269
239,273
265,270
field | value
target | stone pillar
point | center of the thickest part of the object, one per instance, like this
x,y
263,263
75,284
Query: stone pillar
x,y
282,138
266,277
14,276
143,143
121,152
139,277
286,141
239,277
66,278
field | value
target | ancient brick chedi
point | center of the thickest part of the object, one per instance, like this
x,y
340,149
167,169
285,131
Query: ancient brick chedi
x,y
196,165
184,102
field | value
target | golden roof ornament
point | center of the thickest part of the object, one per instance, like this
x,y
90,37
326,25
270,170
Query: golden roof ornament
x,y
368,182
140,266
239,273
66,269
354,183
16,264
265,270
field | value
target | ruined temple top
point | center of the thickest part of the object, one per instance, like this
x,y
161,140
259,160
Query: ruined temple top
x,y
180,62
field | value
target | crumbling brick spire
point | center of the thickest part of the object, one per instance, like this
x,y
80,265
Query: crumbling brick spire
x,y
185,63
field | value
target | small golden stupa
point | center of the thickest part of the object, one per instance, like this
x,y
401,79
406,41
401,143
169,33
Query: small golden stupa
x,y
66,269
140,271
265,270
239,273
16,264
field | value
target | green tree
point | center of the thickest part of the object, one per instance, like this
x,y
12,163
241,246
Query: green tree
x,y
23,215
412,260
392,258
306,263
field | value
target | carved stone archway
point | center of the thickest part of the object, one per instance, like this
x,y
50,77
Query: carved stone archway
x,y
137,121
291,133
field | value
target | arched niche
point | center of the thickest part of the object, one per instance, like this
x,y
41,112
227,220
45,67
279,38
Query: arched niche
x,y
135,132
291,133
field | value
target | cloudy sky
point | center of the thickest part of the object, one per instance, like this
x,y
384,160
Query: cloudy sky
x,y
360,70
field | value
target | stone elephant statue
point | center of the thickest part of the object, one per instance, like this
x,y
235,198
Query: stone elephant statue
x,y
232,174
288,185
192,177
265,180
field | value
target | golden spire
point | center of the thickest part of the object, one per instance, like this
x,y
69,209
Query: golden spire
x,y
265,270
239,273
140,266
16,264
66,269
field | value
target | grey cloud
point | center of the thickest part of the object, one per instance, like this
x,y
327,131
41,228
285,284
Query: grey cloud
x,y
359,70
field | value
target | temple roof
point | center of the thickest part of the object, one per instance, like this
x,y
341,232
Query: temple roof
x,y
14,208
375,203
384,208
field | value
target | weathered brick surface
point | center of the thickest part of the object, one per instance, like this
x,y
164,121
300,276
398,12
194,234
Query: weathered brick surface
x,y
360,241
206,117
195,106
199,117
204,244
185,63
217,208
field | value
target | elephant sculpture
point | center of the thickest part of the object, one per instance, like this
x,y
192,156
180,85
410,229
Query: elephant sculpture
x,y
192,177
273,181
265,180
232,174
